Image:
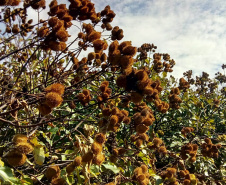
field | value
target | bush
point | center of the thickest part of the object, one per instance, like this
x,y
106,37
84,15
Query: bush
x,y
113,117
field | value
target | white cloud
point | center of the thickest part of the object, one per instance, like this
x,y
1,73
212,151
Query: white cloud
x,y
192,32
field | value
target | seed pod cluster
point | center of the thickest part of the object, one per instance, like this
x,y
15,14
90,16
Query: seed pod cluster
x,y
84,97
108,16
21,144
146,47
121,55
191,150
10,2
141,85
183,84
170,174
116,33
188,178
158,65
39,4
216,103
186,130
174,99
159,146
52,172
95,154
105,92
142,120
116,117
161,106
53,98
17,155
209,149
83,10
71,167
59,22
141,175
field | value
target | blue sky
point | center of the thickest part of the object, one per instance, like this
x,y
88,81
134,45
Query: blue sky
x,y
193,32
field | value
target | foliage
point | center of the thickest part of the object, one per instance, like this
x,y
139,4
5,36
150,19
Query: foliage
x,y
113,117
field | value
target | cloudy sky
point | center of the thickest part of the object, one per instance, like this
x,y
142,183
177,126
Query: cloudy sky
x,y
193,32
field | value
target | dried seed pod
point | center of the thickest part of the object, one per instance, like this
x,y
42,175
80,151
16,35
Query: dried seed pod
x,y
98,159
96,148
141,128
18,138
58,181
136,97
77,161
15,158
52,172
57,88
53,99
100,138
157,142
87,157
24,147
44,109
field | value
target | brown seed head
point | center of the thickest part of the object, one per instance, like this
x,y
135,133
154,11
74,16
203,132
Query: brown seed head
x,y
57,88
52,172
70,168
24,147
96,148
53,99
100,138
15,158
18,138
98,159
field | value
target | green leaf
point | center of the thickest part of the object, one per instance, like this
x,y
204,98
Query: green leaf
x,y
6,174
39,154
113,168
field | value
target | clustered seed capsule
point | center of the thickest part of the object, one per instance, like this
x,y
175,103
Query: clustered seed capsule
x,y
186,130
10,2
141,86
116,117
159,146
17,155
53,98
174,99
170,174
95,154
191,150
105,93
188,178
59,22
142,120
141,175
108,16
183,84
84,97
121,56
209,149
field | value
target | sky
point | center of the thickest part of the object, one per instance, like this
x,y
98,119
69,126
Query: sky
x,y
193,32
